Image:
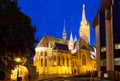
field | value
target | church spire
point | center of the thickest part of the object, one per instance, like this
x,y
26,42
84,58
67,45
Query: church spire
x,y
83,13
84,30
64,34
71,42
71,38
75,39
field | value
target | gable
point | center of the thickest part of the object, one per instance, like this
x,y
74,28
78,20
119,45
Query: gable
x,y
83,44
49,41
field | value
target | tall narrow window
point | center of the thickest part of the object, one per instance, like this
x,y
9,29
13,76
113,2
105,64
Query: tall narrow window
x,y
67,61
45,62
63,61
41,53
94,65
83,60
58,60
45,53
41,62
55,60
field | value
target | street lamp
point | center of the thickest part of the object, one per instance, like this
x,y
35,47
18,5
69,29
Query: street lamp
x,y
18,60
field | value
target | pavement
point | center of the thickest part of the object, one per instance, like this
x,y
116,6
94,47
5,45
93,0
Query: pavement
x,y
93,79
42,77
67,78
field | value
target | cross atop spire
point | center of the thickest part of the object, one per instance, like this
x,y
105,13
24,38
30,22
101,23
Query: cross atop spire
x,y
83,13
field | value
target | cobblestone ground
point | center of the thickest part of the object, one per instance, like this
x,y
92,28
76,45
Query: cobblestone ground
x,y
63,79
72,79
66,78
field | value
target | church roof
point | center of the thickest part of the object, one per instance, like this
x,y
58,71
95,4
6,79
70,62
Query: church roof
x,y
59,46
50,41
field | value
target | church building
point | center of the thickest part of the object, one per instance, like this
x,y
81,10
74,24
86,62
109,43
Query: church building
x,y
61,56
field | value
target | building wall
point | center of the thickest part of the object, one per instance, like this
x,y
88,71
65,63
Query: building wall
x,y
63,62
108,40
98,61
85,63
42,59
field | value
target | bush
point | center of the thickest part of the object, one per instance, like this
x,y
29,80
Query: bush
x,y
2,75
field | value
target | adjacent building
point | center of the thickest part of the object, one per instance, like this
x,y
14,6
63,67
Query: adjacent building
x,y
61,56
107,25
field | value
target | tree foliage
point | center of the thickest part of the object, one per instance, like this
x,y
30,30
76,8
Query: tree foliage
x,y
17,35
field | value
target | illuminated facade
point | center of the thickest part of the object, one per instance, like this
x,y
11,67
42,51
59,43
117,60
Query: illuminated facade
x,y
107,25
23,72
61,56
84,27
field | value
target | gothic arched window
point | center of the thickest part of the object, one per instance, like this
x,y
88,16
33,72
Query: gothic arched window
x,y
67,61
63,60
45,53
45,62
41,53
83,60
41,62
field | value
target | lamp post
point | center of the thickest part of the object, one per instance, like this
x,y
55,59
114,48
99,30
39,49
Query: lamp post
x,y
18,60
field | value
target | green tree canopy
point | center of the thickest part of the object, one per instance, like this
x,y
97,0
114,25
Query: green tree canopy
x,y
17,35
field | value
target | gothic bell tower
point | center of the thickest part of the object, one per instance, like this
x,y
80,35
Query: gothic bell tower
x,y
84,30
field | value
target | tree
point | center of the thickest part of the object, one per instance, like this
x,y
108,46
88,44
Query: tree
x,y
17,35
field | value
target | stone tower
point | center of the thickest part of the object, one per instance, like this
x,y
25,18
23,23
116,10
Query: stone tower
x,y
84,31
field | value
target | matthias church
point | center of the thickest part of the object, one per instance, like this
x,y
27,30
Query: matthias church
x,y
68,57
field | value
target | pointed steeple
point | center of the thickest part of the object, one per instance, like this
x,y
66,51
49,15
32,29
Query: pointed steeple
x,y
64,34
71,42
75,39
71,38
64,30
84,30
83,13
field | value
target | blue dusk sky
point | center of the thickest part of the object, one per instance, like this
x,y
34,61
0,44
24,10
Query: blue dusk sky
x,y
48,16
